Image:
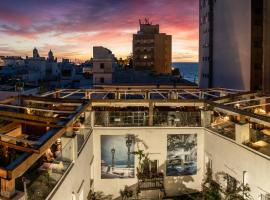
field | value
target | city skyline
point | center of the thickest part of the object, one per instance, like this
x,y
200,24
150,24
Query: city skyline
x,y
71,28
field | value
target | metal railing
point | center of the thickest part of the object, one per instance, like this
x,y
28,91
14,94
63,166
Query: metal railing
x,y
142,118
177,118
226,129
121,118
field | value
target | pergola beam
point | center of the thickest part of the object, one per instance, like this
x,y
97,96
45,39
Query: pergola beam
x,y
70,94
34,123
49,100
186,91
28,117
211,95
160,93
179,95
17,147
36,109
247,100
255,106
17,139
51,93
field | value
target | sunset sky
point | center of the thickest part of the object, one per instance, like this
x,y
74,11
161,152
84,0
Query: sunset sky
x,y
72,27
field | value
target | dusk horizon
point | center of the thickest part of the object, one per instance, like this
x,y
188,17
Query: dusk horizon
x,y
71,29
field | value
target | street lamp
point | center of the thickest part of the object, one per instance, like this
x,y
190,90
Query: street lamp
x,y
113,153
129,143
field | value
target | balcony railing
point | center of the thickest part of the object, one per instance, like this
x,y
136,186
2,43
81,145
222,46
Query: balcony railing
x,y
224,127
43,176
141,118
259,140
177,119
121,118
82,134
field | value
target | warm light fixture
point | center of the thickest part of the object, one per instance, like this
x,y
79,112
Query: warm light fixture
x,y
262,111
201,107
259,111
237,105
226,118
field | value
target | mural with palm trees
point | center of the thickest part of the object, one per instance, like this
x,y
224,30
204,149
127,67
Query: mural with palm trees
x,y
181,154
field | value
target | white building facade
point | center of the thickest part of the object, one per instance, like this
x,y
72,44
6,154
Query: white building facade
x,y
102,65
233,44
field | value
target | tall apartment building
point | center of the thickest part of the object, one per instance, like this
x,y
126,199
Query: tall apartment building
x,y
102,65
152,50
234,44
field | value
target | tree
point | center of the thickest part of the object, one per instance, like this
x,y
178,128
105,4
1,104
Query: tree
x,y
126,193
240,192
210,188
98,196
234,190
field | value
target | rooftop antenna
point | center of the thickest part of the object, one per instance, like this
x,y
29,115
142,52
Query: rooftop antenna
x,y
146,20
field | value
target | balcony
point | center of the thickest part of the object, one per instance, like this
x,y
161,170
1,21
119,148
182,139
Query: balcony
x,y
121,118
259,140
82,130
142,118
224,126
44,174
177,119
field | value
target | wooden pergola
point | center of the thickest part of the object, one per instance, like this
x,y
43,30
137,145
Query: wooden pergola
x,y
52,115
142,92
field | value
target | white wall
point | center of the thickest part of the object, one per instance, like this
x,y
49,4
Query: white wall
x,y
226,156
77,180
233,159
232,44
107,66
156,139
107,78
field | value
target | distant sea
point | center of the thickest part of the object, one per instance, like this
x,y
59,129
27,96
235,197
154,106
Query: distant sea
x,y
189,71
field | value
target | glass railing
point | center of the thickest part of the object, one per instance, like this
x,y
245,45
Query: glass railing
x,y
177,119
224,127
82,135
121,118
141,118
43,176
259,140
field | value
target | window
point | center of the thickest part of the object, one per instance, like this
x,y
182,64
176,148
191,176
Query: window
x,y
101,80
205,75
257,43
101,66
257,66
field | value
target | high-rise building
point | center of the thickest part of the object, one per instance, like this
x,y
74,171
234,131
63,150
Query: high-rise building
x,y
234,44
102,65
152,50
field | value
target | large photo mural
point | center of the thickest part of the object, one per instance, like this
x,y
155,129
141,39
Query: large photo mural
x,y
181,155
117,160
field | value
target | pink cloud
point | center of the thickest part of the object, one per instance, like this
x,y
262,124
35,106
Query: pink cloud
x,y
74,21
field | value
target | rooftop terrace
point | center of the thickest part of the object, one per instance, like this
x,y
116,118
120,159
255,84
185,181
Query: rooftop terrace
x,y
34,127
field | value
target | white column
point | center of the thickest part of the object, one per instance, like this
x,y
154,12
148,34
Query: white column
x,y
242,133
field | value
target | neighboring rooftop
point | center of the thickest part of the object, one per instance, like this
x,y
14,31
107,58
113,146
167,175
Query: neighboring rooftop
x,y
146,77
